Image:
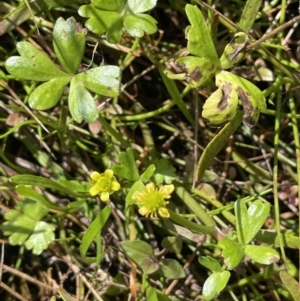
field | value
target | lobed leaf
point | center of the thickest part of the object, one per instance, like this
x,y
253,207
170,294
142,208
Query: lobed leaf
x,y
127,168
103,80
48,94
200,42
32,64
82,105
249,221
69,43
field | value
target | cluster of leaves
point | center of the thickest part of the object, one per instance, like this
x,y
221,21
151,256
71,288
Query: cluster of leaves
x,y
199,69
248,224
69,44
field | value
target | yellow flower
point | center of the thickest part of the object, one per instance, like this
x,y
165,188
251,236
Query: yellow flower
x,y
104,184
151,200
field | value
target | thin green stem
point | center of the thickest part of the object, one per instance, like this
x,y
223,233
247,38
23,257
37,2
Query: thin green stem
x,y
297,150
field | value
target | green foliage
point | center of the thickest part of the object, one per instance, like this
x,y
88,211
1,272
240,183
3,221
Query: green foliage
x,y
127,168
214,284
48,160
199,69
250,220
94,229
69,44
221,107
164,172
24,226
142,254
110,18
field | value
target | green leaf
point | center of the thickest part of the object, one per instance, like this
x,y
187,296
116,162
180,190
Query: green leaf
x,y
110,18
24,224
214,284
43,182
149,265
69,43
151,294
104,16
291,284
164,171
170,268
261,254
33,194
235,51
196,209
216,144
127,168
221,106
252,98
248,166
138,24
198,71
232,252
249,14
82,106
250,221
200,42
138,185
18,226
42,236
103,80
48,94
137,250
94,228
147,174
172,243
80,186
210,263
142,254
32,64
141,6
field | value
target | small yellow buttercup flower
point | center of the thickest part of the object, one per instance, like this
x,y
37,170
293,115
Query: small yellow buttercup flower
x,y
104,184
151,200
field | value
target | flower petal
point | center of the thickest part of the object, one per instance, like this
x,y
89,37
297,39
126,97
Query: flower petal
x,y
166,190
94,190
144,211
115,186
95,176
163,212
104,196
109,173
150,187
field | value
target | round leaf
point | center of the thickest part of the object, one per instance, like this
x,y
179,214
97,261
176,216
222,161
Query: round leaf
x,y
214,284
232,252
141,6
172,243
171,269
139,251
137,25
263,255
